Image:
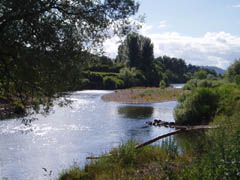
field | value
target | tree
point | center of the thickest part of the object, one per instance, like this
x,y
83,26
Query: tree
x,y
42,42
233,72
202,74
136,51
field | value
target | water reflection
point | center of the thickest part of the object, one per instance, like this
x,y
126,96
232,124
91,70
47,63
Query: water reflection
x,y
136,112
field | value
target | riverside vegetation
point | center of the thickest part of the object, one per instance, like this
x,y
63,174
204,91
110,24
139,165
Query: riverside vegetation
x,y
46,49
143,95
216,154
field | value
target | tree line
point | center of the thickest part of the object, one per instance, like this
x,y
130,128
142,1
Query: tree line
x,y
46,49
135,65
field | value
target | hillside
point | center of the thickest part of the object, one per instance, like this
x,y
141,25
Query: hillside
x,y
217,69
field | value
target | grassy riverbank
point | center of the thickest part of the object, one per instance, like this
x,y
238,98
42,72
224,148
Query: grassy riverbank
x,y
143,95
125,162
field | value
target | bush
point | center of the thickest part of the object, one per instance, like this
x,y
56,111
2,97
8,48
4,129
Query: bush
x,y
222,160
229,99
162,84
85,83
112,83
191,84
195,83
196,108
18,107
233,72
129,76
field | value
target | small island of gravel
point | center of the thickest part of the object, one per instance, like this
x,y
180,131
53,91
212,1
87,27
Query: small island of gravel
x,y
143,95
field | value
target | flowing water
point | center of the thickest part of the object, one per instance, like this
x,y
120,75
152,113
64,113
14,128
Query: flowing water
x,y
70,134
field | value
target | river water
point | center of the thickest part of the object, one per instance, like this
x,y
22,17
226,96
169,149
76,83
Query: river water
x,y
70,134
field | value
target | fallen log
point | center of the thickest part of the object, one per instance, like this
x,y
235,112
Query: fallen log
x,y
159,137
92,157
180,129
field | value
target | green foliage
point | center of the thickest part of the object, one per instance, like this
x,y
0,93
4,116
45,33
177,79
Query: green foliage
x,y
233,72
195,83
229,99
131,76
221,160
125,161
85,83
136,51
200,74
175,69
198,107
110,82
237,79
205,74
18,107
43,44
162,84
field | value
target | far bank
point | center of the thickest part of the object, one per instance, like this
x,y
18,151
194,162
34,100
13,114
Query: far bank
x,y
143,95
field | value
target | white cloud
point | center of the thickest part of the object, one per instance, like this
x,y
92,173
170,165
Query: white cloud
x,y
162,24
213,49
111,47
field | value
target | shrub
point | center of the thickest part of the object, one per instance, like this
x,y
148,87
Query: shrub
x,y
190,85
85,83
222,160
129,76
195,83
18,107
202,74
198,107
162,84
112,83
229,99
233,72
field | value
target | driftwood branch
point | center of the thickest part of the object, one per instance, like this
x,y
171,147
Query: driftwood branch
x,y
180,129
159,137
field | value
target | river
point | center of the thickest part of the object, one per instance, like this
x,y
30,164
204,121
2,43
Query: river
x,y
69,134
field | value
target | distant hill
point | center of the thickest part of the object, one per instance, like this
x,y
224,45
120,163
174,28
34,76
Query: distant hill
x,y
217,69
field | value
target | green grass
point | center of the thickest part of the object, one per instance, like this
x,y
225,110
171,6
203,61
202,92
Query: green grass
x,y
158,94
125,162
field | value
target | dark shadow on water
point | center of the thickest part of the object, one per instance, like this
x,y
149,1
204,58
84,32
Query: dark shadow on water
x,y
136,112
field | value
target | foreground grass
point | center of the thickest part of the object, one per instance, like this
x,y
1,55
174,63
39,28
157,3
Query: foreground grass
x,y
125,162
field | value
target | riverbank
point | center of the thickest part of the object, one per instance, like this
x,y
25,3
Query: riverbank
x,y
8,109
125,162
143,95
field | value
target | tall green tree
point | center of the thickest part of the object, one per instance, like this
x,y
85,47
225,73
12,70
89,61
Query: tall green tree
x,y
42,42
136,51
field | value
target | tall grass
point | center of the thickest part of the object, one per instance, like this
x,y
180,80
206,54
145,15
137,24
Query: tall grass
x,y
125,162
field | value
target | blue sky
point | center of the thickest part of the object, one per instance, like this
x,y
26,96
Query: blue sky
x,y
193,17
203,32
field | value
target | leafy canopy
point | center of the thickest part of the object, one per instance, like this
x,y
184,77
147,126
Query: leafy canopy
x,y
42,42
